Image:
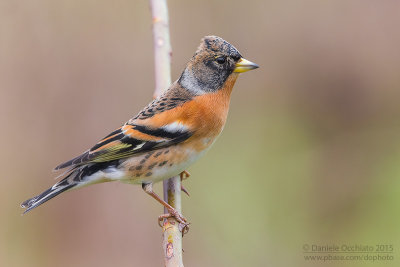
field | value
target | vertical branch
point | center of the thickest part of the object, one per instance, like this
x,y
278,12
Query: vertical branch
x,y
162,45
172,237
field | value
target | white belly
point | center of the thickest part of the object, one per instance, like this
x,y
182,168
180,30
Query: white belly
x,y
162,164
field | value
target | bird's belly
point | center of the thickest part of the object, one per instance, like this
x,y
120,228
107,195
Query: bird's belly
x,y
160,164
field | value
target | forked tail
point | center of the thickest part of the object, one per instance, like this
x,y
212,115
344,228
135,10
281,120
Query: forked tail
x,y
53,191
78,176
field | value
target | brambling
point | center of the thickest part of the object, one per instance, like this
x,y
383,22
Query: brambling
x,y
168,135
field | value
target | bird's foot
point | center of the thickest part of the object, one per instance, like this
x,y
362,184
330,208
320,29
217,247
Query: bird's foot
x,y
173,213
185,191
184,175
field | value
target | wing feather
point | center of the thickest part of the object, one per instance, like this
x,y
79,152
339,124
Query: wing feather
x,y
128,140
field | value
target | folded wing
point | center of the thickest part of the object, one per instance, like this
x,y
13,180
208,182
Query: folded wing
x,y
128,140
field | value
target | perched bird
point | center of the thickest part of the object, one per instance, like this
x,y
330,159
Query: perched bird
x,y
168,135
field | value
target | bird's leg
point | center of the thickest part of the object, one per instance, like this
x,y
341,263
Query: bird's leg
x,y
184,175
148,188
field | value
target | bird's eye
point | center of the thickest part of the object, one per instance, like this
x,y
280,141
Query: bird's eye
x,y
221,60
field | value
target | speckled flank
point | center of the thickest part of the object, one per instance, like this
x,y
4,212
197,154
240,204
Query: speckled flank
x,y
152,165
160,165
163,163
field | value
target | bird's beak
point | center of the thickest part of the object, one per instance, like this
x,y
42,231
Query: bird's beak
x,y
244,65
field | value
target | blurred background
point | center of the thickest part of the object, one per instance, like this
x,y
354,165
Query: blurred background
x,y
310,153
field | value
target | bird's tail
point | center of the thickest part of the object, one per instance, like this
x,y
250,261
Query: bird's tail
x,y
75,177
64,185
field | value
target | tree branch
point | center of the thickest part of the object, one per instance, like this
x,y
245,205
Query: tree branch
x,y
162,45
172,237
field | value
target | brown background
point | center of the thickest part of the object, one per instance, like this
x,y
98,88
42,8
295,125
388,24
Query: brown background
x,y
310,153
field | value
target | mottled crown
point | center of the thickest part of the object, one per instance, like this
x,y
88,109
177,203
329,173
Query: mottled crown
x,y
217,44
204,73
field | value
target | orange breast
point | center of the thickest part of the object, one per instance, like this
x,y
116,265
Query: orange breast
x,y
204,115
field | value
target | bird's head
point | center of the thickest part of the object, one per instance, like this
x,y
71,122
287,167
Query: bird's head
x,y
214,61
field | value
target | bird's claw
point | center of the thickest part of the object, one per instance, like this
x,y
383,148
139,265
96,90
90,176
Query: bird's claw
x,y
185,191
184,175
183,224
184,228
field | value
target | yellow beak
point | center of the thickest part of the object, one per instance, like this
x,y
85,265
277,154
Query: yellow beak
x,y
244,65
